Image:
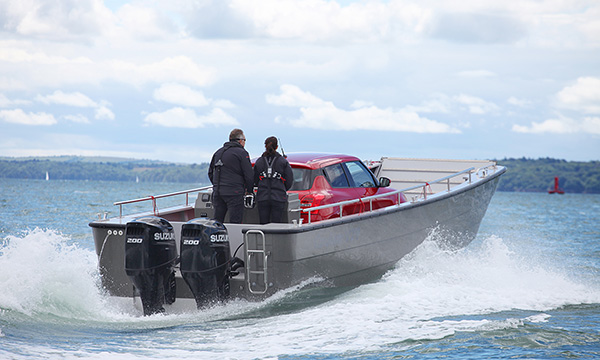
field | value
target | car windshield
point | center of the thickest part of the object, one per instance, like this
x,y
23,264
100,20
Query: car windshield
x,y
360,175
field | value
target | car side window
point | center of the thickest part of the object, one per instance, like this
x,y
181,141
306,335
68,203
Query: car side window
x,y
360,175
336,176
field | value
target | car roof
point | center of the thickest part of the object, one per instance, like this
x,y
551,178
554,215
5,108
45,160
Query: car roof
x,y
317,160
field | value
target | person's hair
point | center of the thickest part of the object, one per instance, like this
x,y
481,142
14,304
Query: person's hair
x,y
270,146
236,134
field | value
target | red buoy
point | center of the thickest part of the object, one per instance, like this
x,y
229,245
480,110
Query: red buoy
x,y
556,189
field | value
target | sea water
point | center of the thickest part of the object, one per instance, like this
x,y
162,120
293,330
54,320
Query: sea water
x,y
527,287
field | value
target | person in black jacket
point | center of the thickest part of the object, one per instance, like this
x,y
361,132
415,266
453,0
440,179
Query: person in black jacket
x,y
230,172
273,176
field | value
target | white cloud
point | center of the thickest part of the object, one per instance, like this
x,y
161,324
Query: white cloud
x,y
144,22
518,102
18,116
79,118
103,113
76,99
357,104
543,23
6,102
321,114
442,103
381,51
187,118
179,69
476,105
180,95
478,27
293,96
562,125
315,20
223,104
13,54
38,69
583,96
591,125
555,126
55,20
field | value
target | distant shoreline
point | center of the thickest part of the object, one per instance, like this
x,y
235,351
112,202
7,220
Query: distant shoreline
x,y
110,169
523,175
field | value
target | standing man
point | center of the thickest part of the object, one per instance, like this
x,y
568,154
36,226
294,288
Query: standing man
x,y
231,174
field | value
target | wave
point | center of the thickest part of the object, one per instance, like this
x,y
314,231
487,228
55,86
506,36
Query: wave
x,y
435,292
432,293
46,277
44,272
485,277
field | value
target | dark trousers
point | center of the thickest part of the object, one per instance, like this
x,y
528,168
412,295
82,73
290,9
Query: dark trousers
x,y
232,203
270,211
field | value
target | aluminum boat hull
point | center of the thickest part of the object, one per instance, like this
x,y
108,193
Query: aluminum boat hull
x,y
345,251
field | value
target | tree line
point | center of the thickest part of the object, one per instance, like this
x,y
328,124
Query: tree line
x,y
538,175
109,171
530,175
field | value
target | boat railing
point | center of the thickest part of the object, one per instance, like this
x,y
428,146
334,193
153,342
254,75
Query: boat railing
x,y
155,197
425,186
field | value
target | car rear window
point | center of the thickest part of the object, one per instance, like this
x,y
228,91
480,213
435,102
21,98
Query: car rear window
x,y
303,178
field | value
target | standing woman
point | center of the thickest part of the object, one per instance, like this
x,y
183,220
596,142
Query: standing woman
x,y
274,177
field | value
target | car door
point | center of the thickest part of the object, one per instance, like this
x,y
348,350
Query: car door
x,y
365,184
341,189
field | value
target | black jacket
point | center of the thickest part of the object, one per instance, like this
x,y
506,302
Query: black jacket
x,y
273,188
230,170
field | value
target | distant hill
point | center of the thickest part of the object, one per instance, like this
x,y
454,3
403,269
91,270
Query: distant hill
x,y
94,159
102,168
530,175
538,175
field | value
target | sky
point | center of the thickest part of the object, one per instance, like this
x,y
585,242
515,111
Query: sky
x,y
168,80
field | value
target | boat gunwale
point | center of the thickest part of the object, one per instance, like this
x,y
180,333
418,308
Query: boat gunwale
x,y
295,228
289,228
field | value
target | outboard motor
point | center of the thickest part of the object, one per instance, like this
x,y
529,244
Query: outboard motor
x,y
150,258
206,260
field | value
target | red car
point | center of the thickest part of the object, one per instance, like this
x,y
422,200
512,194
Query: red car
x,y
321,179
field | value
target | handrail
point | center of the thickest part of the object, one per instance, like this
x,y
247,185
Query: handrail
x,y
372,197
265,256
153,198
341,204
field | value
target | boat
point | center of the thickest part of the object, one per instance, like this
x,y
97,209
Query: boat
x,y
176,258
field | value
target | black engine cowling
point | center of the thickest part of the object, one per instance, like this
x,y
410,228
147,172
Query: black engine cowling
x,y
150,258
205,260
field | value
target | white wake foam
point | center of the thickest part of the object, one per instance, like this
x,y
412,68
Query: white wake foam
x,y
432,293
41,272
